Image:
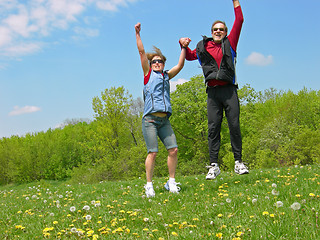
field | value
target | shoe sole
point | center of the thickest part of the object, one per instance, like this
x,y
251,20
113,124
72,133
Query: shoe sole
x,y
241,173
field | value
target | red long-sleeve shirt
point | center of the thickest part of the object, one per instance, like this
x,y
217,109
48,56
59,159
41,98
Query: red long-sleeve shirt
x,y
215,48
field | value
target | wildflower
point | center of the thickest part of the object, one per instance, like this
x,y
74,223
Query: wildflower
x,y
265,213
159,214
274,185
254,200
220,215
86,207
73,230
239,234
19,227
312,195
146,219
72,209
88,217
219,235
174,234
228,200
275,192
279,204
295,206
272,215
55,222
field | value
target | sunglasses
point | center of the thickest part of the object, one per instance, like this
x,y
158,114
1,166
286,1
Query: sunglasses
x,y
156,61
221,29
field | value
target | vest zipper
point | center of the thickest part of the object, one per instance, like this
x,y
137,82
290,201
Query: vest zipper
x,y
164,101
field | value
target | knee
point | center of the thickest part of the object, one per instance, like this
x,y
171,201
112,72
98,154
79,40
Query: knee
x,y
152,155
173,151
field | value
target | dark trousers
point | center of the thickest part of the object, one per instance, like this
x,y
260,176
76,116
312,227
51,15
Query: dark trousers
x,y
219,99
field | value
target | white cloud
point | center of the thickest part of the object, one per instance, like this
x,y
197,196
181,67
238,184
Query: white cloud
x,y
26,23
22,49
173,84
88,32
23,110
259,59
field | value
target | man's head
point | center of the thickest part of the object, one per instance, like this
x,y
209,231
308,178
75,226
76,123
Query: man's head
x,y
219,30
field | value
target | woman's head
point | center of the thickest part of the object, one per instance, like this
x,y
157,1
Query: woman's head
x,y
156,59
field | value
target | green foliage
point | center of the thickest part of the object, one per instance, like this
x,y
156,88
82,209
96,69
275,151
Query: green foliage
x,y
189,121
278,129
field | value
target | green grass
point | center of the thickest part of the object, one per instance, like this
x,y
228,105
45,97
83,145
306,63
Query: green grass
x,y
230,207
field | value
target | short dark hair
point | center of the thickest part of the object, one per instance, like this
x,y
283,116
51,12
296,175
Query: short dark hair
x,y
218,21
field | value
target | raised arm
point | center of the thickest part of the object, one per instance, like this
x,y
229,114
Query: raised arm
x,y
142,53
176,69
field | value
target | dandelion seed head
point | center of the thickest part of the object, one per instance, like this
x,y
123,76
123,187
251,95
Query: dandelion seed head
x,y
86,207
279,204
296,206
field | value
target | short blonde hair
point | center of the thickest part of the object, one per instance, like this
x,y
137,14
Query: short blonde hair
x,y
156,52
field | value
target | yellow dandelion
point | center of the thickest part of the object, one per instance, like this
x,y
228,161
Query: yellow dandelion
x,y
220,215
312,195
239,234
265,213
195,219
219,235
272,215
174,234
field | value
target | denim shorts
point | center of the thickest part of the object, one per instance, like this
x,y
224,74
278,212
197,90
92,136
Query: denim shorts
x,y
153,126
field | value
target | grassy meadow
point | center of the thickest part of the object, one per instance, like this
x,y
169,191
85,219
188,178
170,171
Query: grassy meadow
x,y
280,203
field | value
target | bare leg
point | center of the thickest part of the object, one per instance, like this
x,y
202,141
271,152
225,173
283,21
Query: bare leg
x,y
150,163
172,161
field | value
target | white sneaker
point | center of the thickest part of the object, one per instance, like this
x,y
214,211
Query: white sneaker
x,y
172,187
214,171
149,191
240,168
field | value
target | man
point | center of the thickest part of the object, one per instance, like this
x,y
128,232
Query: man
x,y
217,56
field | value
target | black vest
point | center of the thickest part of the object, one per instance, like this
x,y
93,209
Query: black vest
x,y
210,69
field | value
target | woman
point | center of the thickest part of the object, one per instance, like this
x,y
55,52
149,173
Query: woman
x,y
157,110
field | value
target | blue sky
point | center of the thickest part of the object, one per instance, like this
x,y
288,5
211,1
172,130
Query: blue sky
x,y
56,55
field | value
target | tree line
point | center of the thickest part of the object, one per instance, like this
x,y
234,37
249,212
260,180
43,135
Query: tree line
x,y
278,129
